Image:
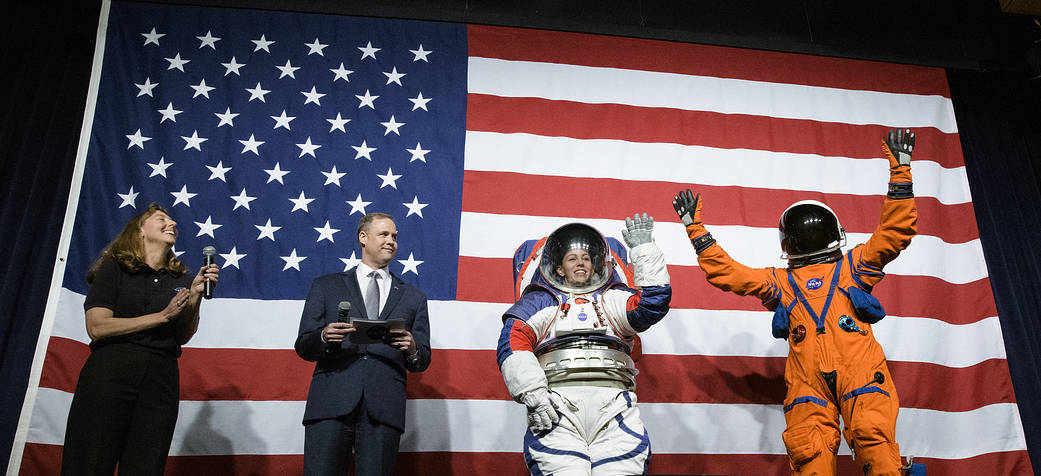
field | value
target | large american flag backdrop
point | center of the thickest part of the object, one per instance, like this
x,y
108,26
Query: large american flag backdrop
x,y
268,135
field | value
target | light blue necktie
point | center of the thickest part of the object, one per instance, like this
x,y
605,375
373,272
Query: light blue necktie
x,y
372,296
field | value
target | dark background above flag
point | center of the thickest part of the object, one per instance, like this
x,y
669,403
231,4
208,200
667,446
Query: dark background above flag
x,y
48,54
963,35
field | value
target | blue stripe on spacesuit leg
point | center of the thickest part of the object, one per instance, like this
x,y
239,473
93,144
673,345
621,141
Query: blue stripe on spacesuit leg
x,y
806,399
644,445
531,442
533,466
621,424
863,390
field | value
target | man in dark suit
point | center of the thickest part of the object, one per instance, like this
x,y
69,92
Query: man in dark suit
x,y
357,394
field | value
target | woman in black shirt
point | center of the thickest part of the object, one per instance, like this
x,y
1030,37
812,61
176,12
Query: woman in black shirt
x,y
141,306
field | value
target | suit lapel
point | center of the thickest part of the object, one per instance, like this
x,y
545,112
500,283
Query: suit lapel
x,y
350,281
396,291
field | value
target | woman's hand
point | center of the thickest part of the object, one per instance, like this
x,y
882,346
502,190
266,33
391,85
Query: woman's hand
x,y
206,273
176,306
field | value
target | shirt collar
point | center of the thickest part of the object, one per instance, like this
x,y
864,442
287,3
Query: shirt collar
x,y
364,270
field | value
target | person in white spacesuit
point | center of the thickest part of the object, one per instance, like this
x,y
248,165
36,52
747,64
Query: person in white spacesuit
x,y
564,351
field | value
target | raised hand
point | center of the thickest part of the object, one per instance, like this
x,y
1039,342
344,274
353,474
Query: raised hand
x,y
688,207
638,230
897,147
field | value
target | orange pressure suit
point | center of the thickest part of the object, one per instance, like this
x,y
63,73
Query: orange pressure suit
x,y
830,370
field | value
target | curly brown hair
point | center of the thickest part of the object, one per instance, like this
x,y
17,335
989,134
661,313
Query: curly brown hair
x,y
128,249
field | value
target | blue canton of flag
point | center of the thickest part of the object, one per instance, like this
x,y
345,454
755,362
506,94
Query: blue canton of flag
x,y
270,143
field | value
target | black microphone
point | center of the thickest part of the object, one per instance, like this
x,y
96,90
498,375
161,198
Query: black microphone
x,y
342,309
207,259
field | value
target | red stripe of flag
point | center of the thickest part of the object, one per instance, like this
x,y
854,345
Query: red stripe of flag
x,y
62,363
702,60
951,303
697,128
488,280
549,195
760,380
46,459
473,374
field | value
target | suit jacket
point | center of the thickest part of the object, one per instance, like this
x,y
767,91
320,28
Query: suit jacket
x,y
371,373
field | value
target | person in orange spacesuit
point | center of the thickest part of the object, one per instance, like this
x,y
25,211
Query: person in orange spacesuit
x,y
823,308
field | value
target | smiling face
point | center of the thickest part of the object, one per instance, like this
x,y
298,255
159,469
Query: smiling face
x,y
576,267
379,242
158,230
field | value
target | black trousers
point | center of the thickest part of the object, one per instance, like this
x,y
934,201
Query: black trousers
x,y
124,411
328,444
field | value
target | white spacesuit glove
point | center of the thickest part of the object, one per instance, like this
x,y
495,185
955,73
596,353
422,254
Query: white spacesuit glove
x,y
638,230
542,409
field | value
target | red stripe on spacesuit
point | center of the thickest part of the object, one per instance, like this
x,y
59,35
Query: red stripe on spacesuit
x,y
522,337
488,280
487,113
626,267
702,60
473,374
524,268
724,205
633,302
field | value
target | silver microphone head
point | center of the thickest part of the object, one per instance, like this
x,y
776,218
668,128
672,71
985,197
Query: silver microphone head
x,y
209,251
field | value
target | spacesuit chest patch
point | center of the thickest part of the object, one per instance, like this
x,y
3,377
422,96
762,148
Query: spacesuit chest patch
x,y
579,315
580,302
814,283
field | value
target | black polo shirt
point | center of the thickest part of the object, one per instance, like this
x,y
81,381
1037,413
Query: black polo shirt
x,y
136,293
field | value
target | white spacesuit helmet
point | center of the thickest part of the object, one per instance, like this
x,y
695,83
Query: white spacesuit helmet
x,y
567,238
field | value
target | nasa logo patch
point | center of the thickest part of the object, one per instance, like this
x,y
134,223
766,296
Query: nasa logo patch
x,y
814,283
582,317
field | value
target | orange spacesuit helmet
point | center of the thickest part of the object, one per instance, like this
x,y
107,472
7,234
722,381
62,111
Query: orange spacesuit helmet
x,y
810,233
